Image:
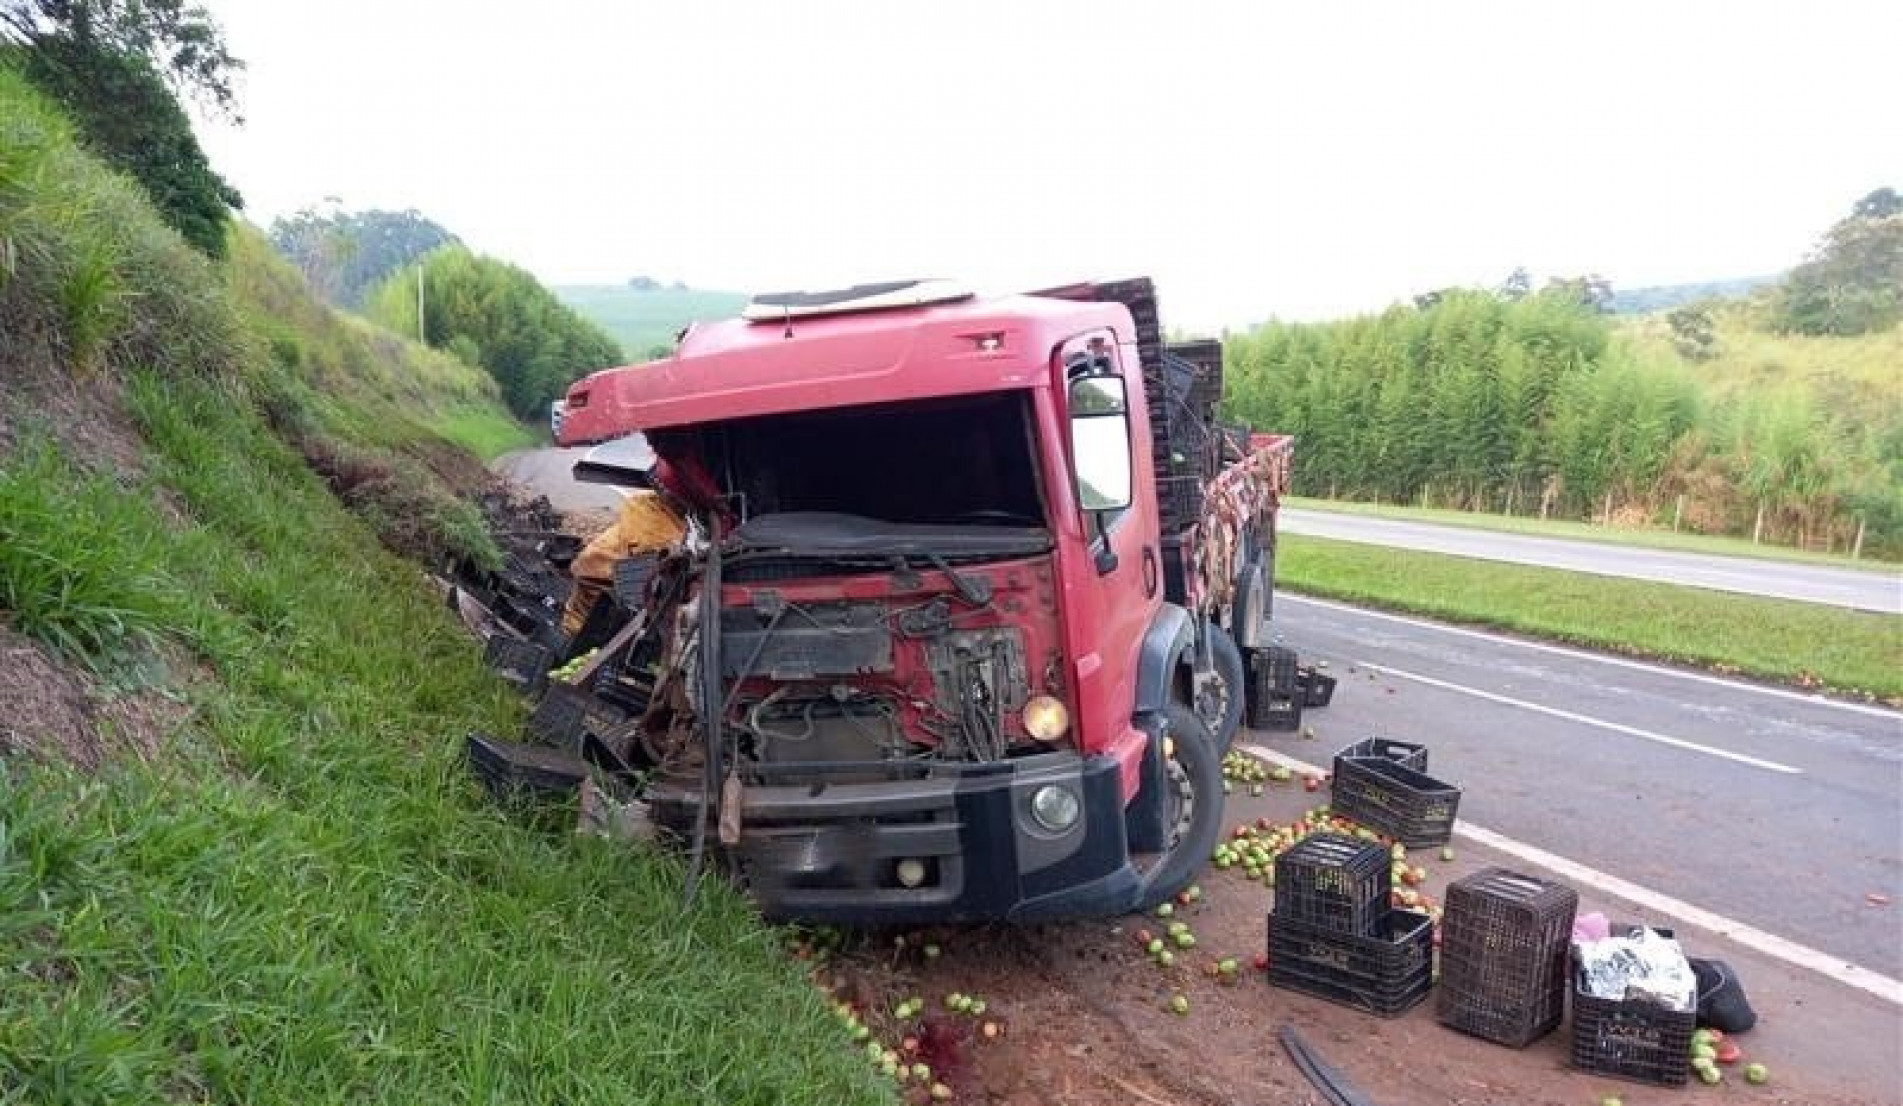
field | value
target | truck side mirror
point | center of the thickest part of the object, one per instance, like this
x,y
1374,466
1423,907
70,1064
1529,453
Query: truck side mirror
x,y
1100,442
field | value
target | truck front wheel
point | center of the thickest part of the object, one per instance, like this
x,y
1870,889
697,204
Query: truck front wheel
x,y
1192,805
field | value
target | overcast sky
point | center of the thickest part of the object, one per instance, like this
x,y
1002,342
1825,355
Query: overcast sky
x,y
1296,160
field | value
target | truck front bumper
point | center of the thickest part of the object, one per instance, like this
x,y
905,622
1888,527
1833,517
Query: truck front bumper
x,y
955,842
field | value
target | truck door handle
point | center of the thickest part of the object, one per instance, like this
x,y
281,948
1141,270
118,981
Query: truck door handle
x,y
1149,572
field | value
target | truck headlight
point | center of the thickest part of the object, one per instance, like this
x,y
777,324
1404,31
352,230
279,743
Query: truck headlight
x,y
1055,807
1046,718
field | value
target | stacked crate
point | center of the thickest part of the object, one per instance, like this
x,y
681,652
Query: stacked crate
x,y
1504,951
1334,934
1274,695
1179,394
1385,787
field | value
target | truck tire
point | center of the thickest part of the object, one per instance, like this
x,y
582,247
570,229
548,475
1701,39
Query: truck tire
x,y
1255,596
1220,704
1193,806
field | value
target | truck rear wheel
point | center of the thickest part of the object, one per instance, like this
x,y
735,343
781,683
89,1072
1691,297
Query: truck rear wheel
x,y
1192,798
1219,702
1254,594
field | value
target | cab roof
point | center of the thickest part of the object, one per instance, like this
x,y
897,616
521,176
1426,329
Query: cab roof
x,y
738,369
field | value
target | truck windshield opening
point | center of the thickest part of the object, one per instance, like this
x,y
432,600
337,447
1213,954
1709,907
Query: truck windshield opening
x,y
964,461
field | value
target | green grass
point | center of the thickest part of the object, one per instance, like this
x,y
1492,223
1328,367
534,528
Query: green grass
x,y
484,431
643,321
1797,643
1587,531
317,905
304,898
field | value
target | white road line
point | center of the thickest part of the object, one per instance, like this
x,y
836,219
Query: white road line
x,y
1581,654
1831,967
1585,720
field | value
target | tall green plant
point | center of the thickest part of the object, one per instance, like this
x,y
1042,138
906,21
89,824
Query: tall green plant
x,y
532,343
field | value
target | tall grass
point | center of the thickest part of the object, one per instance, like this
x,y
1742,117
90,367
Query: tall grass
x,y
326,909
79,563
81,241
484,432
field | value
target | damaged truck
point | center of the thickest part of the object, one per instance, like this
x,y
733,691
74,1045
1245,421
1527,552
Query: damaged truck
x,y
956,628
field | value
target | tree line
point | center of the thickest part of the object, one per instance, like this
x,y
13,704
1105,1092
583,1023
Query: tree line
x,y
498,316
1537,403
117,68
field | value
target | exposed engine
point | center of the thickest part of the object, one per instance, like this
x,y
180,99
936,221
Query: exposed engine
x,y
929,670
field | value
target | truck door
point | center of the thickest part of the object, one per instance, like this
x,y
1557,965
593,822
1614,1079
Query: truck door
x,y
1113,598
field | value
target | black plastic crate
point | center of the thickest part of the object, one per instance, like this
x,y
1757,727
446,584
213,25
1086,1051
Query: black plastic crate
x,y
1317,687
1504,953
1404,753
523,663
627,683
631,578
1176,567
1179,501
1274,697
566,714
1631,1039
1388,1003
1411,807
513,770
1385,973
1335,882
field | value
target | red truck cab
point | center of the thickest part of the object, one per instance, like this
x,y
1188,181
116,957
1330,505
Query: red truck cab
x,y
926,660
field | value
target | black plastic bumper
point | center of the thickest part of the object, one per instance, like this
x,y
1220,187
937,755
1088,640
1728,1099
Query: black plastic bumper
x,y
838,852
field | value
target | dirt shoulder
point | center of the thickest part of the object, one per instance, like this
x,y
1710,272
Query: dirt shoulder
x,y
1084,1015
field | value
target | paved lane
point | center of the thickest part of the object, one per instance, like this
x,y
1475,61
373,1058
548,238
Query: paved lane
x,y
1837,587
1776,808
547,471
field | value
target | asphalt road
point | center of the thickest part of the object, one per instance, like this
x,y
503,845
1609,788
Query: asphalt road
x,y
1773,808
547,471
1837,587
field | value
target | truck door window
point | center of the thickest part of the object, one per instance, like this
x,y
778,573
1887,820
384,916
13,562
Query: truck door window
x,y
1100,442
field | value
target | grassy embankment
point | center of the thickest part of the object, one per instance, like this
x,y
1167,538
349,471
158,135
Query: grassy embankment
x,y
1644,537
299,898
485,432
1797,643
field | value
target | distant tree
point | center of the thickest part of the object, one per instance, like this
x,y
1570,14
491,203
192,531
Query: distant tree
x,y
1519,283
1853,281
1880,204
1692,333
181,40
1592,291
345,254
126,115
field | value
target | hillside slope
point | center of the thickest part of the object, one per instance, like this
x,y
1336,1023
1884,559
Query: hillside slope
x,y
646,320
241,861
1664,297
